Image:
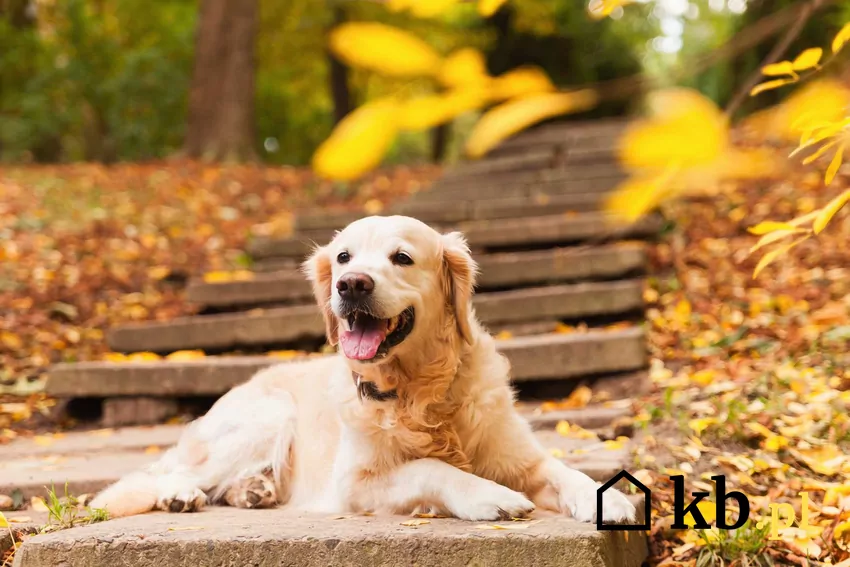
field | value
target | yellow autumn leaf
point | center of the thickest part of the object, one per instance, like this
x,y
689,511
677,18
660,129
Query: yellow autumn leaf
x,y
430,8
520,82
578,398
770,85
765,227
185,528
841,38
775,236
684,128
825,215
776,69
701,424
613,445
708,511
826,460
489,7
115,357
835,494
428,111
775,443
359,141
818,153
636,196
463,67
759,429
832,170
598,9
218,277
399,5
771,256
285,354
415,523
181,355
511,117
4,523
143,357
384,49
808,59
703,377
563,428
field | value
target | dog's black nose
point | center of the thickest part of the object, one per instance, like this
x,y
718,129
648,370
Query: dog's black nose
x,y
355,286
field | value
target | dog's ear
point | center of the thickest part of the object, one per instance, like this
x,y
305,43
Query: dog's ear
x,y
459,271
318,270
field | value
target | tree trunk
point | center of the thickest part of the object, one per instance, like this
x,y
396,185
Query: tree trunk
x,y
338,74
221,98
440,142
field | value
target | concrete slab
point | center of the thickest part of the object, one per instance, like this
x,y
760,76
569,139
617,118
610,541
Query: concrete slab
x,y
539,357
266,538
88,464
497,270
283,325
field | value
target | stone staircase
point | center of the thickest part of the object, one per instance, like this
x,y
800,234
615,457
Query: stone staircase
x,y
560,286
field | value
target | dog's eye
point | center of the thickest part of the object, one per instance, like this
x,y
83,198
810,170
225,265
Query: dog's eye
x,y
343,257
402,259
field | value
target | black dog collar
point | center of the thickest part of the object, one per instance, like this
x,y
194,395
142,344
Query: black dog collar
x,y
370,391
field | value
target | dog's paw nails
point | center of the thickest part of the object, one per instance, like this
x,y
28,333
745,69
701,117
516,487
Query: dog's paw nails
x,y
496,502
187,501
616,508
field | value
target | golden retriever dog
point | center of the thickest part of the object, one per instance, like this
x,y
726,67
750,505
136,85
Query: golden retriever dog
x,y
415,413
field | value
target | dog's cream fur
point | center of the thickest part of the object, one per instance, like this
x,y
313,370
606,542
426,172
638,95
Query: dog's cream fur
x,y
297,433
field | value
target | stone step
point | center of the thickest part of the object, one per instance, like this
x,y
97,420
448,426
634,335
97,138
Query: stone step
x,y
540,357
265,538
483,234
90,460
498,270
282,325
573,134
449,211
601,179
529,160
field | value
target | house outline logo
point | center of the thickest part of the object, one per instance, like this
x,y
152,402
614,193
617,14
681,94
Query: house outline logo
x,y
647,508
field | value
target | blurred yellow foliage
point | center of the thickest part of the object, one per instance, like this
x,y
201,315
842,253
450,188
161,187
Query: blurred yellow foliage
x,y
819,116
514,116
385,49
683,146
360,141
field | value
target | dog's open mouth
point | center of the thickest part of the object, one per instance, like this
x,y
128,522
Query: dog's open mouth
x,y
369,338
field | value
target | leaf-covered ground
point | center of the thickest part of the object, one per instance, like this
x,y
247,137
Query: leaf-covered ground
x,y
750,376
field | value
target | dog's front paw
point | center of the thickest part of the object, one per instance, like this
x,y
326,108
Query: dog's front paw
x,y
190,500
491,501
616,508
252,492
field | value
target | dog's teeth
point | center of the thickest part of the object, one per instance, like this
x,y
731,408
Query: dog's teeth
x,y
392,324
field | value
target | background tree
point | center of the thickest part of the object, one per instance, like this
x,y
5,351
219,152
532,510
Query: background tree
x,y
221,98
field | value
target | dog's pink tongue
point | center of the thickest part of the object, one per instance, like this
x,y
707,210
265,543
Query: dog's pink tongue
x,y
363,341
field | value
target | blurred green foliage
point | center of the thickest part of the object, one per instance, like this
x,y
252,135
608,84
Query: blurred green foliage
x,y
96,80
108,79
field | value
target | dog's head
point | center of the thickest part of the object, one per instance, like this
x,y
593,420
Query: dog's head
x,y
386,284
